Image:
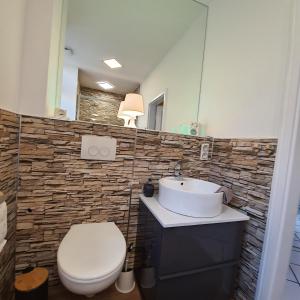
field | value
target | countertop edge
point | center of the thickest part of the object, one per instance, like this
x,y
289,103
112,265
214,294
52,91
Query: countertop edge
x,y
169,219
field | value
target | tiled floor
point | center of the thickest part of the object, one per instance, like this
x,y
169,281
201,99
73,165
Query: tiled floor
x,y
60,293
292,288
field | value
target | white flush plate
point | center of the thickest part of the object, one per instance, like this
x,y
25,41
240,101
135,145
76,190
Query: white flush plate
x,y
98,147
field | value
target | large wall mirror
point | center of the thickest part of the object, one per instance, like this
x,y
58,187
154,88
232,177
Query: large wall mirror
x,y
134,63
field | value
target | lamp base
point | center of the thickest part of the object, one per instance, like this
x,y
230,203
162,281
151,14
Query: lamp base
x,y
126,121
131,123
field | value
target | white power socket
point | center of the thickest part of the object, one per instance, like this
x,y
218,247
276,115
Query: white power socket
x,y
204,152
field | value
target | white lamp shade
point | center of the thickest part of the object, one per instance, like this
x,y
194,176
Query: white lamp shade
x,y
133,105
120,112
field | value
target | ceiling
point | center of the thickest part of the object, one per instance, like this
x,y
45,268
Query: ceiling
x,y
138,33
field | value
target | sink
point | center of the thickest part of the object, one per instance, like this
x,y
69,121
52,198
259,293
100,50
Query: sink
x,y
190,197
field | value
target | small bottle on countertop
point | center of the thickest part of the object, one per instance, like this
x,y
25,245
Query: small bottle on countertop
x,y
148,189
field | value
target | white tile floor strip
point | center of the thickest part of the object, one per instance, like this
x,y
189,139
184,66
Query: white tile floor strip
x,y
292,287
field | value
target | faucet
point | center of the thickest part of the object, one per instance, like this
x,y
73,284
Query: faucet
x,y
177,171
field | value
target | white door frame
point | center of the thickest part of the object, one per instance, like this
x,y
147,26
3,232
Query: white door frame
x,y
285,193
164,95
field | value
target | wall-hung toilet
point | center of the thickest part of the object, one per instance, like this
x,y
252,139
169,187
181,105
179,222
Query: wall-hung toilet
x,y
90,257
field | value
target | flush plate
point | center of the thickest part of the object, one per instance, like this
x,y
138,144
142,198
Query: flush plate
x,y
95,147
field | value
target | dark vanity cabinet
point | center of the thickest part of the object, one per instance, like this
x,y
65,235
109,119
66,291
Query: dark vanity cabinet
x,y
190,262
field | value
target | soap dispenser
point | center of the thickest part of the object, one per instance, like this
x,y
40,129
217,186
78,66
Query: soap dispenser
x,y
148,189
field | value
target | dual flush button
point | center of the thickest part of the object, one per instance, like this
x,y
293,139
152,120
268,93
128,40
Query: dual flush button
x,y
95,147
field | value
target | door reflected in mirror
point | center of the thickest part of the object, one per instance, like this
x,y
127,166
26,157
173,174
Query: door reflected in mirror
x,y
134,63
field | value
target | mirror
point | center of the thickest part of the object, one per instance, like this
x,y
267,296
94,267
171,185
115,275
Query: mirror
x,y
146,52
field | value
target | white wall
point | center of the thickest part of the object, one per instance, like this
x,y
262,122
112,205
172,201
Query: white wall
x,y
244,67
35,60
56,57
30,45
12,13
180,74
69,91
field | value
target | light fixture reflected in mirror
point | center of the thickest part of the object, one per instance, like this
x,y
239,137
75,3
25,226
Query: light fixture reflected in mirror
x,y
105,85
122,116
133,105
130,108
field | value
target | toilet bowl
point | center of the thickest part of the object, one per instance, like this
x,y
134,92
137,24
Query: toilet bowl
x,y
90,257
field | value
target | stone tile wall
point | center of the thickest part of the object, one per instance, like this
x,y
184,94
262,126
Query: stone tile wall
x,y
9,127
246,166
58,189
100,107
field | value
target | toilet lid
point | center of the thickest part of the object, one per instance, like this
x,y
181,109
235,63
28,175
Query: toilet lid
x,y
91,251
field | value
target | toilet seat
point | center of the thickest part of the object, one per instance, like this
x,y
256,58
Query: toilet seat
x,y
95,280
91,252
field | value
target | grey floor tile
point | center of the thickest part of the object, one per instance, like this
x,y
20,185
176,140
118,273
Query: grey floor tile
x,y
297,229
296,271
295,258
296,243
291,276
291,291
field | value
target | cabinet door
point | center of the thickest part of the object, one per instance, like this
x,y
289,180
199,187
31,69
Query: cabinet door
x,y
194,247
215,284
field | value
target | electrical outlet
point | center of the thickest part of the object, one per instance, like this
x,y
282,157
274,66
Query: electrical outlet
x,y
204,152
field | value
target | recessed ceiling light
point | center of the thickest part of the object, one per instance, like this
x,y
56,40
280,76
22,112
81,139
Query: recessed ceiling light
x,y
112,63
105,85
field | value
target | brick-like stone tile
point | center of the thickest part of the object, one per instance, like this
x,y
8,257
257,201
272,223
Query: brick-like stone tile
x,y
9,128
246,166
98,106
58,189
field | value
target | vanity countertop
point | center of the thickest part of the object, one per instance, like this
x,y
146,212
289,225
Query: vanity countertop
x,y
169,219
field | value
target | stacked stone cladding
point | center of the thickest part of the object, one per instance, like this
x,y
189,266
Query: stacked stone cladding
x,y
99,107
9,129
58,189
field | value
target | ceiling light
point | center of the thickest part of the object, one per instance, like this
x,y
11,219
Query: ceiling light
x,y
112,63
105,85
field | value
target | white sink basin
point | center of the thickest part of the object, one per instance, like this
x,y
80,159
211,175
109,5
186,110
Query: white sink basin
x,y
190,197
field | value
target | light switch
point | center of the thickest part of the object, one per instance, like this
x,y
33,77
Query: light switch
x,y
98,147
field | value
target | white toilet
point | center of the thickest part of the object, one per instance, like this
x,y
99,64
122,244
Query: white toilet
x,y
90,257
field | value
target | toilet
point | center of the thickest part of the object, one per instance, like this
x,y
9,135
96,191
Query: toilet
x,y
90,257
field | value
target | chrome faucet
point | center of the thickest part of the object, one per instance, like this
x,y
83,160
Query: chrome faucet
x,y
177,171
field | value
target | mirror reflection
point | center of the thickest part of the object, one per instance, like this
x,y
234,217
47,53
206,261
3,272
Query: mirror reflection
x,y
134,63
